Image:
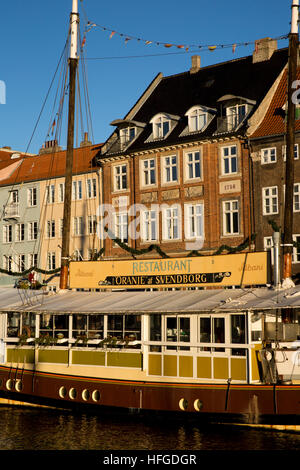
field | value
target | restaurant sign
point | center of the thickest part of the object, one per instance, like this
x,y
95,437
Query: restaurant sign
x,y
203,271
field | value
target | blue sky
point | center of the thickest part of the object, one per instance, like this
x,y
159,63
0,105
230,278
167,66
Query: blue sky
x,y
33,34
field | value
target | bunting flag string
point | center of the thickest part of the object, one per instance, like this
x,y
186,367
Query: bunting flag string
x,y
168,45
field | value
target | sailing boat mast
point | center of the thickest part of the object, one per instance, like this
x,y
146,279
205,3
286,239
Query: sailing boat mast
x,y
73,62
290,143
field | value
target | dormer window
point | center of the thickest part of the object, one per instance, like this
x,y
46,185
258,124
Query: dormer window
x,y
233,112
199,117
235,115
162,125
127,134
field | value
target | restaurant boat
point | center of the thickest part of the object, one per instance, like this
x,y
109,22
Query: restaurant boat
x,y
137,335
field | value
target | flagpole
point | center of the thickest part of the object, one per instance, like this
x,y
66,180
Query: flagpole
x,y
73,62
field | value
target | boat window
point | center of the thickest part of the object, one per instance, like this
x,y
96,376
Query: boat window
x,y
178,329
155,331
238,335
125,328
95,326
13,324
205,332
219,332
56,326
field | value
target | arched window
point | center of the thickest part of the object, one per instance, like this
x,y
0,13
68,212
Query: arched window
x,y
161,124
198,118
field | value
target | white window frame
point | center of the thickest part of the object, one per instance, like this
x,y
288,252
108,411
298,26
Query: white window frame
x,y
20,262
269,246
50,194
197,119
92,224
32,227
121,226
296,152
171,223
161,126
120,177
77,190
228,228
149,225
127,134
50,228
32,260
91,188
268,200
7,233
78,226
32,197
227,160
194,220
51,260
61,192
232,112
191,164
296,254
148,172
268,155
20,232
296,197
8,262
168,164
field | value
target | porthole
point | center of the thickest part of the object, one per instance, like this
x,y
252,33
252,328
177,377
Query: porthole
x,y
72,393
198,405
19,385
96,395
183,404
9,384
85,395
62,392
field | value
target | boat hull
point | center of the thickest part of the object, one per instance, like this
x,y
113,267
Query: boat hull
x,y
249,404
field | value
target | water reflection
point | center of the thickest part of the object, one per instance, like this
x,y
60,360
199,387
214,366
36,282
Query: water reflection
x,y
42,429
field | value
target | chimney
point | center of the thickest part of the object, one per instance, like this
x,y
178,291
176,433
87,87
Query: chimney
x,y
50,146
264,49
86,141
196,64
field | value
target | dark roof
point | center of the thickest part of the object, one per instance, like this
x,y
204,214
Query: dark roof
x,y
176,94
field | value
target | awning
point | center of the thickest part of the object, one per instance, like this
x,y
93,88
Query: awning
x,y
138,302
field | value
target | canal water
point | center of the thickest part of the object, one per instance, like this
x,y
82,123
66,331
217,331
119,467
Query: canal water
x,y
42,429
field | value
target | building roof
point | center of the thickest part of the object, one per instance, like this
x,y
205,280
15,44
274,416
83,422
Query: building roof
x,y
176,94
274,122
46,166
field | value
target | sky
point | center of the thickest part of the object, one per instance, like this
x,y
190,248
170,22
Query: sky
x,y
117,67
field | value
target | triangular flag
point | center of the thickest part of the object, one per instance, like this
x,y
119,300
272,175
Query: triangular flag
x,y
180,47
212,48
233,48
126,40
168,45
148,42
111,34
83,41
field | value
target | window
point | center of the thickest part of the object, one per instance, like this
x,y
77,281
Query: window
x,y
50,194
91,188
270,200
78,226
230,217
197,119
235,115
268,246
194,220
297,197
51,260
124,327
127,135
171,223
77,190
120,177
50,228
161,126
238,334
20,232
296,152
212,330
193,165
32,230
14,197
149,230
178,330
148,172
20,263
61,227
7,262
7,233
33,260
268,155
229,160
91,326
121,226
32,197
92,224
296,249
54,325
170,172
61,192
